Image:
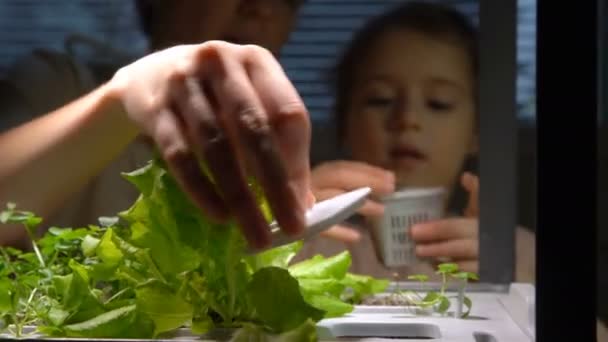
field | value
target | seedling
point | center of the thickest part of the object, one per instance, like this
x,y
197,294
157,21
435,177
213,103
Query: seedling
x,y
429,299
21,280
439,300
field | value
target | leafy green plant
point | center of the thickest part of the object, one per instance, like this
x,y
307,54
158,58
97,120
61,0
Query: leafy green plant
x,y
161,265
439,301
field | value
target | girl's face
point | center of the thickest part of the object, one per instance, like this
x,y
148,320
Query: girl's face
x,y
412,108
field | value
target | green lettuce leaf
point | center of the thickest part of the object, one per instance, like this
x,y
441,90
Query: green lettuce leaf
x,y
275,294
321,267
107,325
306,332
167,309
361,286
278,256
162,264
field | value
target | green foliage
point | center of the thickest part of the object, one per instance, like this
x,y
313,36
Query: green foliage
x,y
161,265
439,300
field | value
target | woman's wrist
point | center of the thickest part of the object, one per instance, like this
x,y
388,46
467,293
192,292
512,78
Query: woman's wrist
x,y
111,103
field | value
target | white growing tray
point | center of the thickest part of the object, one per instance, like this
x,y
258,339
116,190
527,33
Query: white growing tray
x,y
496,316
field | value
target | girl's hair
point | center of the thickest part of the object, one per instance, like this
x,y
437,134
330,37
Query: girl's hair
x,y
433,19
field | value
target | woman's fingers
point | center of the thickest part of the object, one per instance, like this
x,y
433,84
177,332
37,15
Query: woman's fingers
x,y
245,119
183,164
232,107
287,116
209,141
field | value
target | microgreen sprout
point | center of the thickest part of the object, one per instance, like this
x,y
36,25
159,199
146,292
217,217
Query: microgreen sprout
x,y
439,301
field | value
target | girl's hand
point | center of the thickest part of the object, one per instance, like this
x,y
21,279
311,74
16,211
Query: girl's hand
x,y
453,239
336,177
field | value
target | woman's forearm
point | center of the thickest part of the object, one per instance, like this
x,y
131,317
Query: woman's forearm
x,y
48,159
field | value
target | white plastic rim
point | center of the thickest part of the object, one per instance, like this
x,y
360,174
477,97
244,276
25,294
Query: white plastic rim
x,y
408,193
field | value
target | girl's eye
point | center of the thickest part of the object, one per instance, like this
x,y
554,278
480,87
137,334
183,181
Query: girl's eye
x,y
378,101
439,105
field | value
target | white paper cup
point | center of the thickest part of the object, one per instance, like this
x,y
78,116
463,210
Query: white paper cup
x,y
403,209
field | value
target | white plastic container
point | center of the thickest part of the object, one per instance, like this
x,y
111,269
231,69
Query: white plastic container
x,y
403,209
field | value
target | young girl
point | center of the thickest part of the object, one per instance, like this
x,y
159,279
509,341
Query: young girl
x,y
406,113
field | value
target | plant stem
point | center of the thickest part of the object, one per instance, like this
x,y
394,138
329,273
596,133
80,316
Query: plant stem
x,y
35,247
460,298
117,294
26,312
38,254
53,257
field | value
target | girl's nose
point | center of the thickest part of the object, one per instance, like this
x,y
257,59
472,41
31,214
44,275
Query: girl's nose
x,y
405,117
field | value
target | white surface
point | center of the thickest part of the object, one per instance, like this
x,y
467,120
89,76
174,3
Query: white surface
x,y
488,316
520,303
406,193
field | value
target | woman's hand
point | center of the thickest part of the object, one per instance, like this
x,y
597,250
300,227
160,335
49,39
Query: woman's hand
x,y
336,177
453,239
233,107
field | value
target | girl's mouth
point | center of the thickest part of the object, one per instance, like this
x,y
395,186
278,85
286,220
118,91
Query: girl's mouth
x,y
407,156
407,151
